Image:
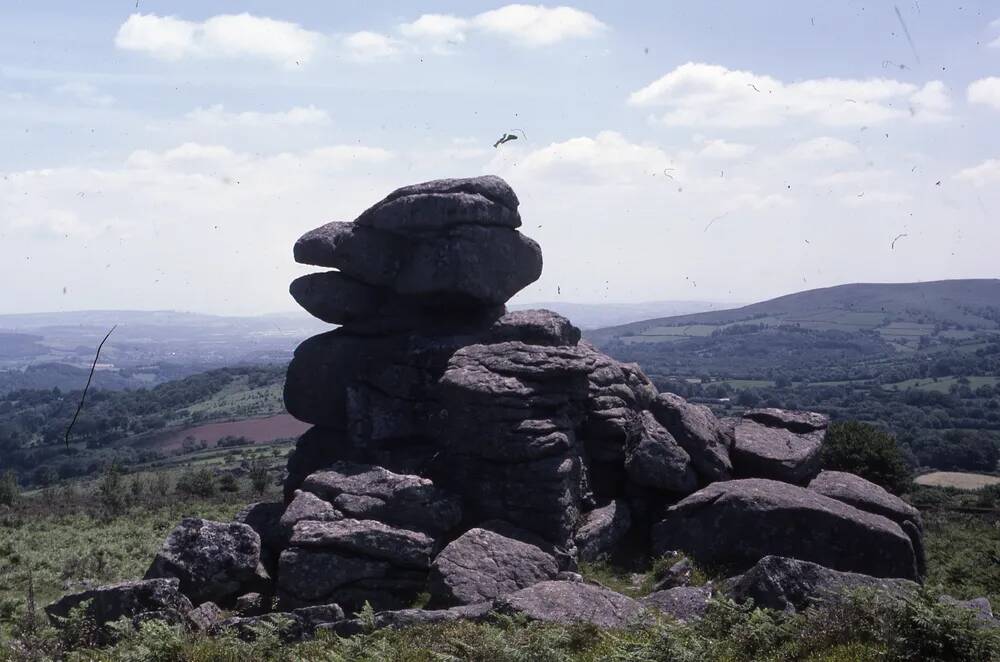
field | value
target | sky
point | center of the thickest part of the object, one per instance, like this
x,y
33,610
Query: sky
x,y
166,155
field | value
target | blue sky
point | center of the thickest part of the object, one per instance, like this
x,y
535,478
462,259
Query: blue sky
x,y
167,156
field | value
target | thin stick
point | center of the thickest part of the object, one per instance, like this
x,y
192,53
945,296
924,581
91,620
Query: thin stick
x,y
85,388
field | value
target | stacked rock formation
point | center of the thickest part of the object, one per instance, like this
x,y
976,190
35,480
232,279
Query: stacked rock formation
x,y
477,455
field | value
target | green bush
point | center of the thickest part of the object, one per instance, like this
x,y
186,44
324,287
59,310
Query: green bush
x,y
9,490
197,482
869,452
228,483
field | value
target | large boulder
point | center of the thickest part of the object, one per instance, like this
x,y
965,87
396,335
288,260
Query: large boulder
x,y
444,203
602,529
736,523
371,538
867,496
487,562
566,602
776,582
699,433
771,450
464,266
405,618
796,421
655,459
214,561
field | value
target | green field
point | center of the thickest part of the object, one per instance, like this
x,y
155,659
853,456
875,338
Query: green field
x,y
941,384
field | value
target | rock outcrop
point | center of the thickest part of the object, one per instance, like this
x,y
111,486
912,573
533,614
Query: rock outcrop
x,y
476,455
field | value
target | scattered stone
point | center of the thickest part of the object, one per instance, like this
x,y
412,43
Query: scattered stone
x,y
204,617
776,582
736,523
106,604
214,561
981,607
572,602
485,563
251,604
288,627
410,617
681,603
679,574
602,529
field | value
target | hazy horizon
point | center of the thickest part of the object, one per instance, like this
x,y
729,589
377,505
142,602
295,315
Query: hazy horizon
x,y
165,156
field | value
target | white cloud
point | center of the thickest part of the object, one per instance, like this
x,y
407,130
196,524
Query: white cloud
x,y
985,91
698,94
722,149
85,93
984,174
231,36
522,25
606,159
218,116
821,149
367,46
440,31
538,25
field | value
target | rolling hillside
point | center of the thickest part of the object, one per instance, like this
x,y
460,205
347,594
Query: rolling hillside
x,y
899,312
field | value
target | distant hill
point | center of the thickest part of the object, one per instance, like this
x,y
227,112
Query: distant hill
x,y
899,313
597,315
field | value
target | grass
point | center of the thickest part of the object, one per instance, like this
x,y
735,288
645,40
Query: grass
x,y
957,479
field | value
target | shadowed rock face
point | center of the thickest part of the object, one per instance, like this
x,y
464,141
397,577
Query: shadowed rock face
x,y
736,523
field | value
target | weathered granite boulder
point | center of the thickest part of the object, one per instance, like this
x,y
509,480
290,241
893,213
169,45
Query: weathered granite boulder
x,y
655,460
736,523
699,433
443,203
374,493
867,496
602,529
370,538
776,582
306,506
768,446
572,602
797,421
487,562
681,603
214,561
463,266
158,597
